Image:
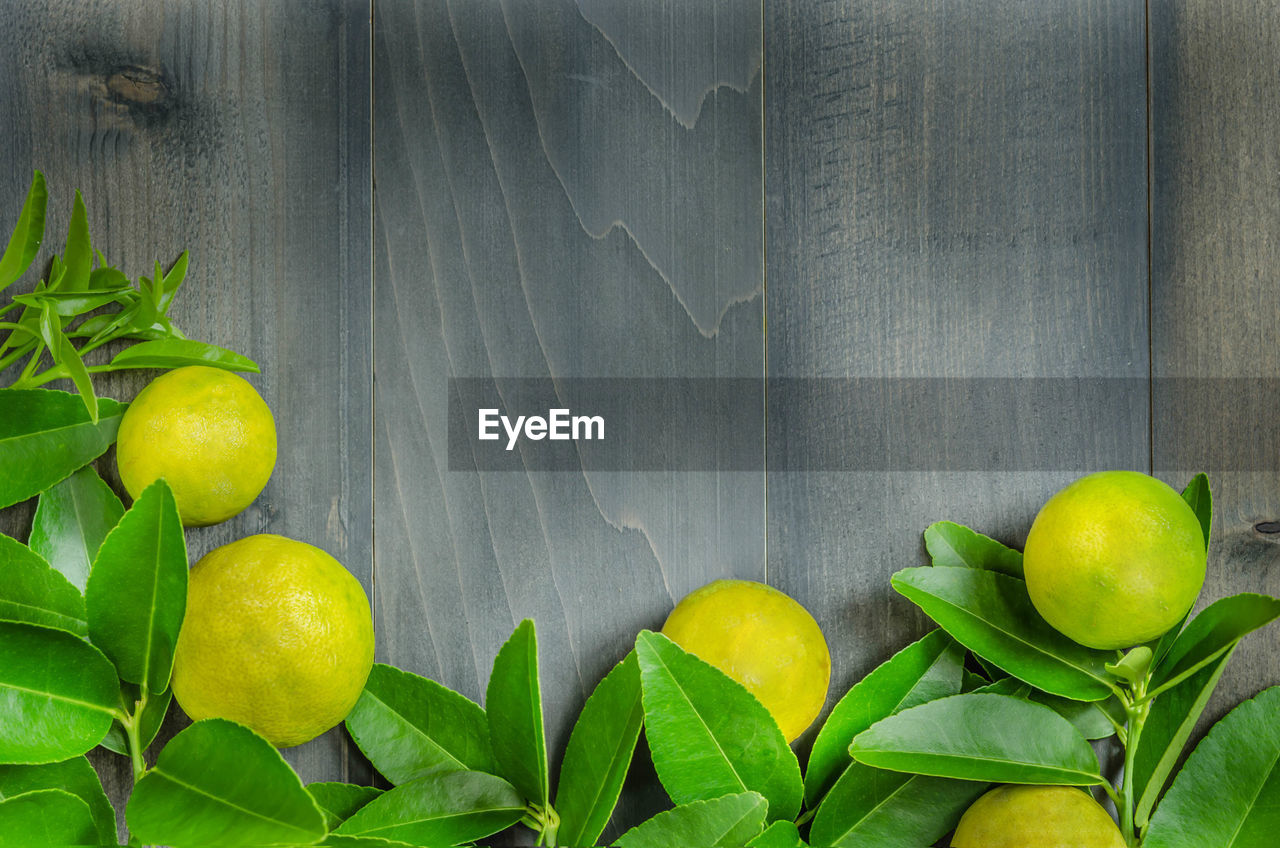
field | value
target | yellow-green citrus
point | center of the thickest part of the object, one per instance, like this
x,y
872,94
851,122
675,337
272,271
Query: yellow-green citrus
x,y
1037,817
208,433
764,640
278,636
1115,559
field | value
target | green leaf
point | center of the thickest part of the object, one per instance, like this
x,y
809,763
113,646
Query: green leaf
x,y
46,818
341,801
153,713
70,304
874,808
954,545
726,822
513,704
173,280
57,694
992,615
72,518
78,257
137,591
1211,633
923,671
45,436
1088,717
75,776
1133,666
219,783
177,353
1228,793
106,277
338,840
1169,725
24,243
598,755
409,726
1199,497
70,359
780,834
31,591
993,738
708,735
447,808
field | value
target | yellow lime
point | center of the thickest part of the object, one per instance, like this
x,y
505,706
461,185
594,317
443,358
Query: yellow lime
x,y
278,636
1037,817
207,433
764,640
1115,559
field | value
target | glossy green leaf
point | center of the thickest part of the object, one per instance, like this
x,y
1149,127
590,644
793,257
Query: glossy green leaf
x,y
447,808
1219,626
923,671
1199,497
513,704
341,801
1168,727
708,735
72,518
46,435
992,615
409,726
992,738
1133,666
1228,793
599,754
107,278
874,808
46,818
173,281
730,821
31,591
28,232
137,591
75,776
338,840
57,694
219,783
1094,719
954,545
68,304
780,834
78,257
177,353
70,359
153,713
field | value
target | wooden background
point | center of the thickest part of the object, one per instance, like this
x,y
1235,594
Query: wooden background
x,y
524,188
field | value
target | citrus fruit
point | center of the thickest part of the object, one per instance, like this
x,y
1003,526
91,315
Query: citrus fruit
x,y
1037,817
278,636
1115,559
208,433
764,640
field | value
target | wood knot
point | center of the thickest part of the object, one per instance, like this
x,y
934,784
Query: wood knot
x,y
138,86
1268,527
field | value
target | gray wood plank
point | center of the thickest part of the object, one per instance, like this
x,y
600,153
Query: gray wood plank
x,y
239,132
954,190
545,209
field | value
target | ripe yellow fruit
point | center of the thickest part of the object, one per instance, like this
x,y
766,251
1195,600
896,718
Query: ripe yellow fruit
x,y
278,636
1115,559
208,433
1037,817
764,640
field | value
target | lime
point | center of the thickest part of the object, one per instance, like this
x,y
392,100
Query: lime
x,y
278,636
1115,559
1037,817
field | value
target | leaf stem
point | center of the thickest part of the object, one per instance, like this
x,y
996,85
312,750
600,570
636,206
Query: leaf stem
x,y
1137,711
133,733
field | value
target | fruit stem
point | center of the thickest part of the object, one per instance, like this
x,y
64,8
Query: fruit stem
x,y
1137,710
133,734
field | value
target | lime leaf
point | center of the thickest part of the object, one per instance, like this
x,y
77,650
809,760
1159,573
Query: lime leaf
x,y
726,822
923,671
177,353
46,818
708,735
219,783
153,713
57,694
77,259
993,738
75,776
1094,719
340,801
24,243
137,592
992,615
513,704
872,807
780,834
1133,666
1198,496
448,808
31,591
45,435
72,519
409,726
1211,633
68,303
954,545
599,753
1228,793
338,840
